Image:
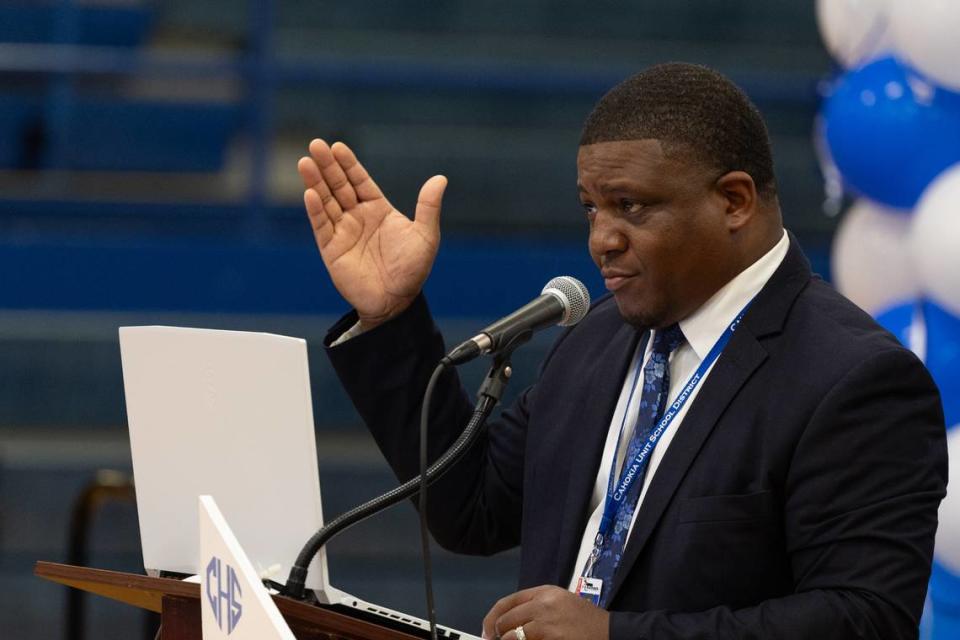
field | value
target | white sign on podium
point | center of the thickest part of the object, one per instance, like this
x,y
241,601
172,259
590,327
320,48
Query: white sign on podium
x,y
233,600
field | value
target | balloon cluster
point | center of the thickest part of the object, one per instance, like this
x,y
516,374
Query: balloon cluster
x,y
890,128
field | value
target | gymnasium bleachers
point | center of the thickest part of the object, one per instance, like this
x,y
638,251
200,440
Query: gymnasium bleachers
x,y
147,154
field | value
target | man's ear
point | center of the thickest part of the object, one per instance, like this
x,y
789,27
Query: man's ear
x,y
740,194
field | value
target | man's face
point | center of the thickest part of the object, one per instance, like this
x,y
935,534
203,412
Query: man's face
x,y
657,229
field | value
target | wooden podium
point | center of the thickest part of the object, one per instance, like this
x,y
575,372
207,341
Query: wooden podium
x,y
178,604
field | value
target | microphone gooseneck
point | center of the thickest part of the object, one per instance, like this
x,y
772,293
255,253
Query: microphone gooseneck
x,y
298,573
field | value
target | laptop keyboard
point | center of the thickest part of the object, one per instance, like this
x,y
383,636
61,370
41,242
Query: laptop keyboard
x,y
393,620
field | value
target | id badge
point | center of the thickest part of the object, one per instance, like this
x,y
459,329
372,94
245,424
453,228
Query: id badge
x,y
590,589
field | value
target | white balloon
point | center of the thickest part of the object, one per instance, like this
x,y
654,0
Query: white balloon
x,y
871,260
935,240
948,533
855,31
926,33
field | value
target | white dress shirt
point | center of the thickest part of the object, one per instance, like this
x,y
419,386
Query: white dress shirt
x,y
702,329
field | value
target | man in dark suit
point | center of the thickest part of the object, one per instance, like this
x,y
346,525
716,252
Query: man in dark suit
x,y
794,492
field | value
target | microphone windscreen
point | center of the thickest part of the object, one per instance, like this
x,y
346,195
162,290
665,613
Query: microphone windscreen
x,y
574,297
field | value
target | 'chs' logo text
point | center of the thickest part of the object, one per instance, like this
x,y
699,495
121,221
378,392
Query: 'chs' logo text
x,y
223,594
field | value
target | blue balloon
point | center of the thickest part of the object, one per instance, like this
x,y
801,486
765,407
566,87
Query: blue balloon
x,y
943,358
898,320
891,132
942,355
945,598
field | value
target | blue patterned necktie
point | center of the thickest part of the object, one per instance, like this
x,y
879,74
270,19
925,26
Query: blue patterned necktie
x,y
653,400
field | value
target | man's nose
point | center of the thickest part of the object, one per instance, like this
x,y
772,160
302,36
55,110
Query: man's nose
x,y
606,235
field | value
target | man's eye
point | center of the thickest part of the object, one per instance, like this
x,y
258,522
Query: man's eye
x,y
589,208
630,206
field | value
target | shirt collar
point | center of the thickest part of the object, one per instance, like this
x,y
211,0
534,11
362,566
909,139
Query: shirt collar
x,y
704,326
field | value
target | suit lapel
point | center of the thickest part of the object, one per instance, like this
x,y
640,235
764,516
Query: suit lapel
x,y
590,436
742,356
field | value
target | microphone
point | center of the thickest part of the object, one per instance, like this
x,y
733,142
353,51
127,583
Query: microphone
x,y
564,301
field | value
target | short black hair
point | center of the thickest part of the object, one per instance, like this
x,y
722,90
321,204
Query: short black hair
x,y
689,109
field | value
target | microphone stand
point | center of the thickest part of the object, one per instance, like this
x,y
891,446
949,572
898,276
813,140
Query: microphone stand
x,y
487,398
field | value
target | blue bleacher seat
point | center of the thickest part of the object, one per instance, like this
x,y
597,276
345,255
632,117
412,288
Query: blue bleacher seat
x,y
116,135
120,26
147,136
18,114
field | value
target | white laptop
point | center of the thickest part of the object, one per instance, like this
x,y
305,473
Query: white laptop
x,y
229,414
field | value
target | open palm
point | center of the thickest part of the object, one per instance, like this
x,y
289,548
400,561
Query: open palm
x,y
377,258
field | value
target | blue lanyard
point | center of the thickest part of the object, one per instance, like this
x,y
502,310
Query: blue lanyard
x,y
629,474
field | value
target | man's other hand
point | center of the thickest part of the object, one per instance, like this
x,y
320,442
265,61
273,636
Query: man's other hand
x,y
378,258
546,613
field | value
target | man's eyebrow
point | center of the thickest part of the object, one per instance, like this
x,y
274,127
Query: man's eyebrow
x,y
619,185
612,187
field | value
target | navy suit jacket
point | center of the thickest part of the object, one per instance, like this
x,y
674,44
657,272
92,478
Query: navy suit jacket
x,y
798,498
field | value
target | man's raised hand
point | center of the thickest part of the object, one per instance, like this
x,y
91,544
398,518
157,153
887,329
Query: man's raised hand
x,y
377,258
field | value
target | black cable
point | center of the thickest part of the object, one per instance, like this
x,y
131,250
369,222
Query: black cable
x,y
424,530
298,573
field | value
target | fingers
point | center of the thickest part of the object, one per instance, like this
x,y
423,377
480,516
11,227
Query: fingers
x,y
323,200
429,202
503,605
532,630
363,184
333,175
320,220
520,615
309,172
